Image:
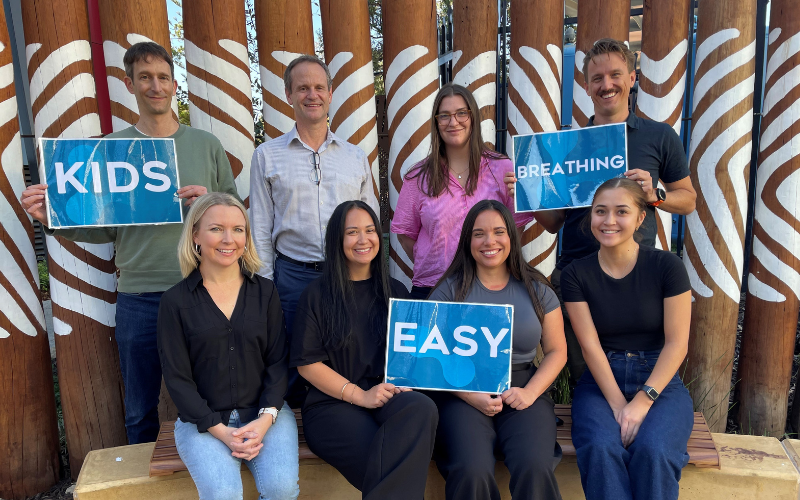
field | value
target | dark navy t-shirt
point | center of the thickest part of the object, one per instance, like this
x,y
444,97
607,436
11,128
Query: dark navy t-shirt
x,y
652,146
628,313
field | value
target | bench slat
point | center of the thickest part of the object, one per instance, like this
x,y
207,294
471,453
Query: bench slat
x,y
701,447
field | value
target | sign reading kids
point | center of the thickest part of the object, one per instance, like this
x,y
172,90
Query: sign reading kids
x,y
110,182
449,346
564,169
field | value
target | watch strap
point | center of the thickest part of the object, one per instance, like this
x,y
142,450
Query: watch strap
x,y
651,392
272,411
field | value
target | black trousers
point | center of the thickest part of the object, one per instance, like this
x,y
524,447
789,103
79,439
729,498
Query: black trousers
x,y
468,441
383,452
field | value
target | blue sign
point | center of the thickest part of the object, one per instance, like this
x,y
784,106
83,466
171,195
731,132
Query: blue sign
x,y
449,346
564,169
110,182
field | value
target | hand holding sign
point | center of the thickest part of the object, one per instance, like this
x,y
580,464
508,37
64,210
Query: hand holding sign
x,y
191,193
33,202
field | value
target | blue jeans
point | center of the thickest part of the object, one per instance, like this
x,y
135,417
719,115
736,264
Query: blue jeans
x,y
137,315
291,280
650,467
217,473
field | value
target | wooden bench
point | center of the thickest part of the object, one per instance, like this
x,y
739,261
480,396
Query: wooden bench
x,y
702,450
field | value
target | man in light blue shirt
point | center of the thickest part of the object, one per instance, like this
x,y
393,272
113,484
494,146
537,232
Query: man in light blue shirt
x,y
297,180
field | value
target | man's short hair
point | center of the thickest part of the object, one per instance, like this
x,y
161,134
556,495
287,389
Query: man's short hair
x,y
143,51
305,58
609,46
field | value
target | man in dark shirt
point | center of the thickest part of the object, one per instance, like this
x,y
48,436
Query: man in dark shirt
x,y
654,153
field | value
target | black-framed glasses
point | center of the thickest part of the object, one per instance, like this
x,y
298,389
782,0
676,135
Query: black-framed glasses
x,y
461,115
316,172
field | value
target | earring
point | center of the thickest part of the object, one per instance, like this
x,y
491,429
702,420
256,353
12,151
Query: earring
x,y
197,248
245,249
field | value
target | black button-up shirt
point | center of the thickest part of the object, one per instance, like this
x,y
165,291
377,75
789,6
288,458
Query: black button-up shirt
x,y
652,146
213,365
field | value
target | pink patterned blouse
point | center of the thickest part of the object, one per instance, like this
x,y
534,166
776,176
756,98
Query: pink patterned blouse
x,y
435,223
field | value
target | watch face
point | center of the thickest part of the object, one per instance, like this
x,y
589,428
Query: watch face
x,y
661,194
652,393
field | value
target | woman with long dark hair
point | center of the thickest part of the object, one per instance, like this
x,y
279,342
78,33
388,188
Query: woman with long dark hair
x,y
380,437
437,193
631,414
488,267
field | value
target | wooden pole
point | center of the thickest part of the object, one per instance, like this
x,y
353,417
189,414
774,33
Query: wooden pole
x,y
719,160
662,80
596,19
773,291
348,51
218,80
28,427
83,279
284,31
411,65
534,96
475,57
124,23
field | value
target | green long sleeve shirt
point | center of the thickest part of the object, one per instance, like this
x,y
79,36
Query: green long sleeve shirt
x,y
147,256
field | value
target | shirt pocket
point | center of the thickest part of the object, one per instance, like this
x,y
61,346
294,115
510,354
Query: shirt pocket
x,y
255,335
208,343
344,186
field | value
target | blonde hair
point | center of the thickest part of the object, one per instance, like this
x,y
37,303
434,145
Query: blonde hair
x,y
189,257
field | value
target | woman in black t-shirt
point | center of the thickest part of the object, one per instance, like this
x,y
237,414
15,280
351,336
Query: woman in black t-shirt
x,y
380,437
488,267
630,306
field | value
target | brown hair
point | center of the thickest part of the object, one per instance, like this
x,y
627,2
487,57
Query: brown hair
x,y
464,268
634,190
609,46
432,172
144,51
305,58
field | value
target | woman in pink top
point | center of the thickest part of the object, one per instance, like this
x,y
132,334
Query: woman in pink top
x,y
438,192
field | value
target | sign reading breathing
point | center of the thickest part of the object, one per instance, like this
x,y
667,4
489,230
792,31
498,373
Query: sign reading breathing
x,y
110,182
449,346
564,169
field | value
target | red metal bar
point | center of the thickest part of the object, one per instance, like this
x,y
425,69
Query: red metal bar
x,y
99,66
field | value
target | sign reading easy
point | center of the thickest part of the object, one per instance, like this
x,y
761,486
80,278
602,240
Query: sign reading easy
x,y
564,169
449,346
110,182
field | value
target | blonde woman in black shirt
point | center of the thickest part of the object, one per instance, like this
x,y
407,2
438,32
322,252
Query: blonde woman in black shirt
x,y
222,344
631,414
380,437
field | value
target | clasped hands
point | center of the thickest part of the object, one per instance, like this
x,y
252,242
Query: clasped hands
x,y
630,416
490,405
244,442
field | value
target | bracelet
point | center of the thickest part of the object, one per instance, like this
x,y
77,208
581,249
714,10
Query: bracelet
x,y
341,396
352,393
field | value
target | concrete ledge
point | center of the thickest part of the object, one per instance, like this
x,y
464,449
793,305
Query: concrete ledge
x,y
752,468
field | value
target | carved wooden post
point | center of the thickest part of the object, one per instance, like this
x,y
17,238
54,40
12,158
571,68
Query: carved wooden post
x,y
662,80
83,280
719,160
345,26
773,291
534,96
218,80
596,19
284,32
412,80
29,436
475,57
124,23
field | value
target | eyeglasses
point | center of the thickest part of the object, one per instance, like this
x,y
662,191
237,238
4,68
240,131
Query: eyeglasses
x,y
461,115
316,173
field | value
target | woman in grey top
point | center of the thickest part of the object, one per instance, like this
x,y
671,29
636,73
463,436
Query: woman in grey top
x,y
519,423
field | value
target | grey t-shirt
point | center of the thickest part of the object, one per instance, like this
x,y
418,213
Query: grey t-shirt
x,y
527,329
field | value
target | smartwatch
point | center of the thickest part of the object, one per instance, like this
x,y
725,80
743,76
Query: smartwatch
x,y
661,196
274,412
651,392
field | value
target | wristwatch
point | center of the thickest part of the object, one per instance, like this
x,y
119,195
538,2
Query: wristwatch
x,y
274,412
661,196
651,392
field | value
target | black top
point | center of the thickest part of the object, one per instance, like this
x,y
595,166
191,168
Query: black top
x,y
628,313
652,146
363,359
213,365
527,328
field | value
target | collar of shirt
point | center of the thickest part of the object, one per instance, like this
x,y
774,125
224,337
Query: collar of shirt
x,y
632,121
293,135
196,278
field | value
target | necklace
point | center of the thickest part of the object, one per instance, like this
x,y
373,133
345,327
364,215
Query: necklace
x,y
459,173
605,267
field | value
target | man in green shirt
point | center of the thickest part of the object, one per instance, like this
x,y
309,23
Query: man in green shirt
x,y
147,255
